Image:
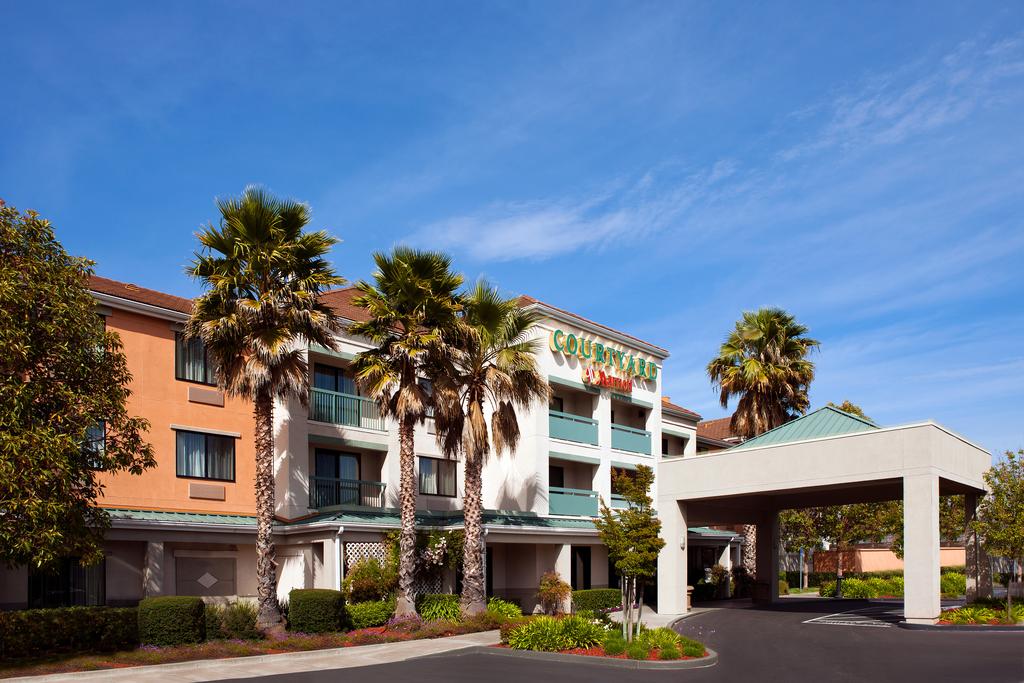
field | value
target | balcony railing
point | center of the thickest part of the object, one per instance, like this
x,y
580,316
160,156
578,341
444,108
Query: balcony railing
x,y
344,409
330,492
618,502
563,501
630,439
572,427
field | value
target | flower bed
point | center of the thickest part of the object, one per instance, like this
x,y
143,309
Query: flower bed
x,y
983,615
394,631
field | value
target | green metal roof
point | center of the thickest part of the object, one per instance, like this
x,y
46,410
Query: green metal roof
x,y
181,517
708,531
827,421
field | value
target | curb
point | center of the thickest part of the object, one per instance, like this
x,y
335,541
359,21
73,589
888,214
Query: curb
x,y
606,662
961,628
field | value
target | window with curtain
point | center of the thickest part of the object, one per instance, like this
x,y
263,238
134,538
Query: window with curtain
x,y
68,584
437,477
191,362
205,456
334,379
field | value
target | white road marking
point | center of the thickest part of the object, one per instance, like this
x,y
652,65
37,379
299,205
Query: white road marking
x,y
865,616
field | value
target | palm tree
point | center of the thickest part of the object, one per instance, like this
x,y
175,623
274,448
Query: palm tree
x,y
764,363
412,303
261,308
490,359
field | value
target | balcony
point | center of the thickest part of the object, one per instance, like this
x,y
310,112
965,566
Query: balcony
x,y
344,409
327,492
579,502
573,427
631,439
618,502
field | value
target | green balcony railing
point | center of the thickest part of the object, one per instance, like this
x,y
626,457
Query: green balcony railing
x,y
618,502
572,427
331,492
344,409
563,501
630,439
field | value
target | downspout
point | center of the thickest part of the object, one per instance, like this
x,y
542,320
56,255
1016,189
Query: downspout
x,y
339,558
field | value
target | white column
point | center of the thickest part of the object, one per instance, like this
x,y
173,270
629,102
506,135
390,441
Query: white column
x,y
767,557
672,569
603,415
979,569
563,565
725,559
921,548
153,570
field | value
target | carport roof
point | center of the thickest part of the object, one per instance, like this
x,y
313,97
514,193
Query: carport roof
x,y
826,421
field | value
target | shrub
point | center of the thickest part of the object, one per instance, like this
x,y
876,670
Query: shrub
x,y
509,626
368,580
316,610
614,643
371,613
581,632
439,607
237,620
172,620
637,650
971,614
407,624
669,653
856,588
827,589
783,587
553,592
543,634
693,649
596,599
504,608
953,584
67,630
659,638
1014,615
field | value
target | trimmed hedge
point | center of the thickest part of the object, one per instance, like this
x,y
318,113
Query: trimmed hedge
x,y
596,599
815,579
371,613
316,610
67,630
172,620
439,607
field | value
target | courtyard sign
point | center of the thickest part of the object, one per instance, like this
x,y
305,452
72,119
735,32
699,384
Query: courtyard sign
x,y
615,360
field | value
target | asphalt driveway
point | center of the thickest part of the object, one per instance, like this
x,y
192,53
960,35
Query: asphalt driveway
x,y
812,640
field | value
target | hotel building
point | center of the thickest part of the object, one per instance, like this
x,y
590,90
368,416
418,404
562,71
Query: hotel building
x,y
187,525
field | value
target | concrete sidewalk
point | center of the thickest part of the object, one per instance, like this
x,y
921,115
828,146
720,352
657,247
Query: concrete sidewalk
x,y
268,665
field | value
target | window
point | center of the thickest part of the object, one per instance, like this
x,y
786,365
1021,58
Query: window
x,y
556,476
191,362
69,584
206,456
664,446
428,389
334,379
437,477
95,443
618,473
557,404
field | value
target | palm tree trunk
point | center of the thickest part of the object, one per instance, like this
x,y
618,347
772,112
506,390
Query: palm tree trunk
x,y
405,604
266,565
749,552
474,600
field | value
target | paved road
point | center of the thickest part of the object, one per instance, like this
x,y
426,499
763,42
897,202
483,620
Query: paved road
x,y
797,641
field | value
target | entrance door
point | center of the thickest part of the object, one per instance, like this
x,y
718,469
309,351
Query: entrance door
x,y
580,579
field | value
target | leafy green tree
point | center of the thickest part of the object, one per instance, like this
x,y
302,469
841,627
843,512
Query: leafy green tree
x,y
64,391
848,406
412,303
489,360
632,536
764,364
1001,511
841,526
261,309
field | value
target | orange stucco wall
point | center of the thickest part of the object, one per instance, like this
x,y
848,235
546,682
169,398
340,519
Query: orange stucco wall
x,y
158,397
880,559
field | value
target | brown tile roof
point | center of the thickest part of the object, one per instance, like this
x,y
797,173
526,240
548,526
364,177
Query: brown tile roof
x,y
716,429
525,300
341,301
124,290
678,409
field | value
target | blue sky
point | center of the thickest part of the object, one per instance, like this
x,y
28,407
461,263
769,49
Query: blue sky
x,y
659,167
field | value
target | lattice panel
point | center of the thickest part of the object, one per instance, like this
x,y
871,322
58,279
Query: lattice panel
x,y
354,552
